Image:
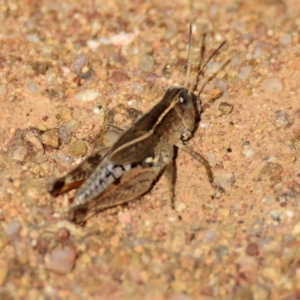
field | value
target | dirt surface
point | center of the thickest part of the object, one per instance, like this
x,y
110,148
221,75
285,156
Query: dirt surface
x,y
67,69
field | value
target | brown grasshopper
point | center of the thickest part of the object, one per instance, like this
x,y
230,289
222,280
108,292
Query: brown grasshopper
x,y
130,167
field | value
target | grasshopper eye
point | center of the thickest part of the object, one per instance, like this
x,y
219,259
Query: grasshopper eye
x,y
183,98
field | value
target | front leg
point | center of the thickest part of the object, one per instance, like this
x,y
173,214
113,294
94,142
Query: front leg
x,y
199,158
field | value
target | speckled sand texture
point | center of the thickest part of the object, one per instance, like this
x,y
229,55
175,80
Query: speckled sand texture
x,y
67,68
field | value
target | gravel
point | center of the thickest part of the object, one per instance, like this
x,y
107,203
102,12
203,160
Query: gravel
x,y
60,61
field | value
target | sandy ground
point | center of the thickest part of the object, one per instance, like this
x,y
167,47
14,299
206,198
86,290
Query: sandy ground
x,y
65,68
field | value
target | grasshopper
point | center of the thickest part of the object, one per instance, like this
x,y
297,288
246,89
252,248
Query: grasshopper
x,y
132,165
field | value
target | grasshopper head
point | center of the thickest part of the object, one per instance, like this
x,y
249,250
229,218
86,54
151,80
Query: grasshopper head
x,y
186,111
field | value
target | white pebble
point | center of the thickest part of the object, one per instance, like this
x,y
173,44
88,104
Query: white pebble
x,y
65,69
244,72
181,206
87,95
51,76
33,87
257,53
289,213
138,88
93,44
248,153
122,39
212,159
285,39
61,261
273,84
96,110
209,235
33,38
204,125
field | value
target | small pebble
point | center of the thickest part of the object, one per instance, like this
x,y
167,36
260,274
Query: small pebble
x,y
285,39
33,38
138,88
283,120
248,266
36,169
122,39
181,206
40,67
51,76
221,84
32,138
252,249
12,229
94,45
79,62
271,169
62,234
80,66
64,134
275,215
225,108
244,72
51,138
72,125
119,77
222,250
257,53
17,183
88,95
33,87
213,95
273,84
150,78
209,235
96,110
77,148
19,154
61,260
146,63
256,228
248,153
227,230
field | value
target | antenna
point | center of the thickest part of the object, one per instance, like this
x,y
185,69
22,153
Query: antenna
x,y
188,70
200,68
